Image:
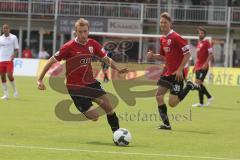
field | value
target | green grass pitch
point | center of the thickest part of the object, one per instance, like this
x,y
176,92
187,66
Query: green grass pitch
x,y
30,130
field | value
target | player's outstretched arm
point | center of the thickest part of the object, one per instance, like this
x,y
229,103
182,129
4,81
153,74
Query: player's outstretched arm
x,y
40,83
151,55
113,65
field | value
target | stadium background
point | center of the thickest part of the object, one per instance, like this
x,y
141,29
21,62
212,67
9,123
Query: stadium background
x,y
49,24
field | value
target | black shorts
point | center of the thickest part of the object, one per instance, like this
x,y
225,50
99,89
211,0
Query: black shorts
x,y
201,74
171,83
83,97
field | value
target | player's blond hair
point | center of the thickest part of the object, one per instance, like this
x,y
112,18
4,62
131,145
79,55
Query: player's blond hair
x,y
166,16
81,22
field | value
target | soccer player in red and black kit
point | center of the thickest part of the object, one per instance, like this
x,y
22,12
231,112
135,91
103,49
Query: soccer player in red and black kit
x,y
82,86
204,56
174,50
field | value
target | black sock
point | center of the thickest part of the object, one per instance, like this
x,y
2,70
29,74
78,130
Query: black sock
x,y
184,92
200,95
113,121
162,109
204,90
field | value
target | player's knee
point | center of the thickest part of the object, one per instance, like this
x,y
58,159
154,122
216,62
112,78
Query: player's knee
x,y
91,115
172,103
3,80
10,77
95,119
107,108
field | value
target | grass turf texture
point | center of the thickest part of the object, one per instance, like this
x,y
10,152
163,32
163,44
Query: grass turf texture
x,y
30,129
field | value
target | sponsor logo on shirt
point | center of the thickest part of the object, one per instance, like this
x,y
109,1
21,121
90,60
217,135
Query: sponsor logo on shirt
x,y
85,61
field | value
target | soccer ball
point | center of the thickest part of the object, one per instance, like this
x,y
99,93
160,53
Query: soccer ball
x,y
122,137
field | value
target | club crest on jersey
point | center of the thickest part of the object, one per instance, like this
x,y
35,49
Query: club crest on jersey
x,y
169,41
90,49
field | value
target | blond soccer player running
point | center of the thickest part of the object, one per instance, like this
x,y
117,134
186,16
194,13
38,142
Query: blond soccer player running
x,y
81,85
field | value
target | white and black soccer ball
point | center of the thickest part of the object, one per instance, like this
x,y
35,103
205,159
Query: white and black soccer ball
x,y
122,137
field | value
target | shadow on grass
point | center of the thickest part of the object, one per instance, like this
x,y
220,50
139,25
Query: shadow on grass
x,y
16,99
105,144
101,143
225,108
22,99
195,132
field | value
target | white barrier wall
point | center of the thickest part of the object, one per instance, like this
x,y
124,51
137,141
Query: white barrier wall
x,y
216,75
25,67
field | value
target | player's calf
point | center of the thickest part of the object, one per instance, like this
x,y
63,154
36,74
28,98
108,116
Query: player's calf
x,y
113,121
189,86
5,91
173,100
112,118
162,109
160,99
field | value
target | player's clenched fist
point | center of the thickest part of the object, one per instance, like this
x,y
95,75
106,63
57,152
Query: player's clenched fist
x,y
150,55
41,85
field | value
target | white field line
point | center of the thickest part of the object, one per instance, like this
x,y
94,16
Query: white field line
x,y
110,152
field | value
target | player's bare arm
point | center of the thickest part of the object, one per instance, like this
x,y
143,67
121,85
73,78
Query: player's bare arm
x,y
210,57
179,72
113,65
40,83
15,54
152,55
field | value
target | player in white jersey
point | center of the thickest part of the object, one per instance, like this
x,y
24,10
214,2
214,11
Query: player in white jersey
x,y
8,47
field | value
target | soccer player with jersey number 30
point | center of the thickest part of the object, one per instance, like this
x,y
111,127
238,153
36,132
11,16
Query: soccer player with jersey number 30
x,y
174,50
